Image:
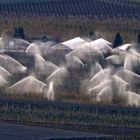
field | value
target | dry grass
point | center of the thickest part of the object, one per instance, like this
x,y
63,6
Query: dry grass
x,y
67,28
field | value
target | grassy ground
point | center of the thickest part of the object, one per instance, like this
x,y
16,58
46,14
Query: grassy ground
x,y
67,28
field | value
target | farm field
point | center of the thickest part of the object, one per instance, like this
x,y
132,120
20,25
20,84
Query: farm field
x,y
92,8
22,132
64,19
108,120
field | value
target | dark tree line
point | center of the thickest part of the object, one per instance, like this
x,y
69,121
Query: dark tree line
x,y
118,40
19,32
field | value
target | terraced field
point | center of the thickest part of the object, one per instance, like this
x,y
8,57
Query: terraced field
x,y
68,8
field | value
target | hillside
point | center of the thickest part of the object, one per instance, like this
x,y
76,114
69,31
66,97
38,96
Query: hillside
x,y
91,8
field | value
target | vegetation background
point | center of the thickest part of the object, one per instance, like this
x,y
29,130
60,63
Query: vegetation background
x,y
67,28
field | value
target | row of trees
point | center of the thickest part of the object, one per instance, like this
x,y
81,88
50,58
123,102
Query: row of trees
x,y
69,114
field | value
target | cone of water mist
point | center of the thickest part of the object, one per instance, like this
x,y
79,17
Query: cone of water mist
x,y
100,77
133,99
44,67
114,88
99,81
122,54
34,49
73,62
130,77
9,43
28,85
85,86
18,45
105,95
40,48
120,88
1,44
96,68
55,81
4,73
3,82
12,65
74,43
94,91
50,93
86,54
58,76
81,53
100,45
134,53
125,47
132,63
115,60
